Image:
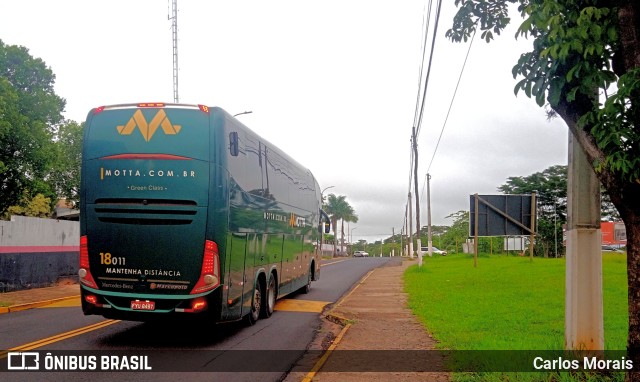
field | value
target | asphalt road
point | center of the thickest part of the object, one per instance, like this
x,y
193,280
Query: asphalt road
x,y
224,352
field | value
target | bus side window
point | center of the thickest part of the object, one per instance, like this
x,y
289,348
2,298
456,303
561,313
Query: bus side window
x,y
233,143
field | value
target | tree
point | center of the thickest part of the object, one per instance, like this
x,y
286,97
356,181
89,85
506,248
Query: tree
x,y
580,50
339,209
459,230
65,174
29,113
39,207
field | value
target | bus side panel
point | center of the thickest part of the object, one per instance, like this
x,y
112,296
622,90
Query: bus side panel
x,y
236,245
249,271
288,264
274,202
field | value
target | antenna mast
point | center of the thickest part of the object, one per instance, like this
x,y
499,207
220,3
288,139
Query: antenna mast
x,y
174,34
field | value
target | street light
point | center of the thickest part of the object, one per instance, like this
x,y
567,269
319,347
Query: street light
x,y
326,188
244,112
322,193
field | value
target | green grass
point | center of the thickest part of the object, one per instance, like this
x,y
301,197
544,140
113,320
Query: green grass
x,y
508,303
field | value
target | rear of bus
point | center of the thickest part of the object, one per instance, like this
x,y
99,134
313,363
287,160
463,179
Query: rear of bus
x,y
144,247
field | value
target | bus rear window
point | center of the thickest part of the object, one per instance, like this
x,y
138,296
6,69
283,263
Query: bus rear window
x,y
174,131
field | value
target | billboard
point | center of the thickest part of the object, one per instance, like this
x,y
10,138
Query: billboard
x,y
502,215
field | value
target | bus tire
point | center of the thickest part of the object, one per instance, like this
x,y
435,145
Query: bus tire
x,y
270,298
307,288
256,304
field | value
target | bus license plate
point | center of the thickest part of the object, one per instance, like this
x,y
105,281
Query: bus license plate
x,y
143,305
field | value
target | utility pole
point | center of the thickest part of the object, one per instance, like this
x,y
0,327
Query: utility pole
x,y
429,241
555,227
174,34
393,237
414,142
406,228
410,228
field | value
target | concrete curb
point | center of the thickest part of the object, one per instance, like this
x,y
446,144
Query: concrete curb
x,y
38,304
340,320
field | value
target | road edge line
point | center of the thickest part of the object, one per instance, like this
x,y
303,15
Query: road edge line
x,y
325,356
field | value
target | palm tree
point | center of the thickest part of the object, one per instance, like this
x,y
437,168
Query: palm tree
x,y
350,217
339,209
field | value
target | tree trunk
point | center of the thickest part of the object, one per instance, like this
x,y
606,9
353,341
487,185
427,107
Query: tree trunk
x,y
334,222
342,238
630,213
633,277
629,27
628,203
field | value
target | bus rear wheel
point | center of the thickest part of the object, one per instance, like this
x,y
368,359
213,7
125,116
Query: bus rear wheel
x,y
307,288
256,304
270,298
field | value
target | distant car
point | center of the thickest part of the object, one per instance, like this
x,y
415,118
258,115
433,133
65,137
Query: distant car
x,y
610,248
360,254
434,250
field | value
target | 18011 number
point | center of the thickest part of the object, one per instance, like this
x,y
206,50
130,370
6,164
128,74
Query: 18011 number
x,y
107,259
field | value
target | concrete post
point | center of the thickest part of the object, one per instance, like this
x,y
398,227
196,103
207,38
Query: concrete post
x,y
584,325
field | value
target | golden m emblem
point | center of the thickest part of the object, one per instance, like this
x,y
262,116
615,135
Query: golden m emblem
x,y
148,129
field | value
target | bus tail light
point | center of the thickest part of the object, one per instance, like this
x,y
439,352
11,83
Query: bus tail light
x,y
210,273
93,300
197,305
151,104
84,272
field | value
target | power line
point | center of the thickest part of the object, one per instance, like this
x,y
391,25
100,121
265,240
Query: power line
x,y
426,17
426,20
423,51
426,81
415,130
450,104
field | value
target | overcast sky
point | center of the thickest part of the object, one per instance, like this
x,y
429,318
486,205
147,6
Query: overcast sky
x,y
333,83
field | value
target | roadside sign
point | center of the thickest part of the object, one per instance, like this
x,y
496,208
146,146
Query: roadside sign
x,y
502,215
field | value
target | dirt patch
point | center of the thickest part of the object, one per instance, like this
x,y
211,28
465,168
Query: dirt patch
x,y
67,281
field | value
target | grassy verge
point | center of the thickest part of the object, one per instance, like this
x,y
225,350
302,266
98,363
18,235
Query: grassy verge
x,y
508,303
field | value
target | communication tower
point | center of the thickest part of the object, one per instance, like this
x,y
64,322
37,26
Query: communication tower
x,y
174,34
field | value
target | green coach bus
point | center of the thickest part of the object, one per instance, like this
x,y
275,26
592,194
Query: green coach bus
x,y
184,211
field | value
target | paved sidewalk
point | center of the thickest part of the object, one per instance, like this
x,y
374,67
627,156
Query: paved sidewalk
x,y
378,318
32,298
